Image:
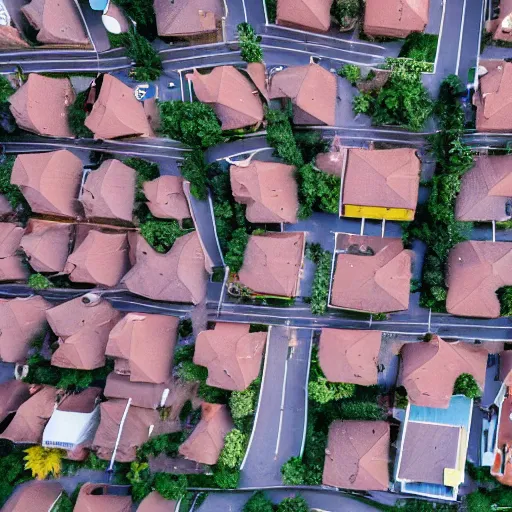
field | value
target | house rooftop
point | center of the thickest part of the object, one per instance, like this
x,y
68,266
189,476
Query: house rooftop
x,y
395,18
96,498
41,104
501,26
312,90
11,267
230,94
268,189
349,355
357,455
166,198
231,353
272,263
475,271
154,502
493,100
146,342
13,393
50,182
429,370
34,496
310,15
207,440
387,178
177,276
372,274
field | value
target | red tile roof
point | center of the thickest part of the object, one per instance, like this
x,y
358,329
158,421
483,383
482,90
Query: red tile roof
x,y
13,393
166,199
34,496
501,27
95,498
11,267
154,502
311,15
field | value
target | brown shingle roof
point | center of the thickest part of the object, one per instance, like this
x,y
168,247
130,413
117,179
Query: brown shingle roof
x,y
257,72
116,112
147,342
207,440
109,192
94,498
476,270
347,355
485,190
230,94
10,38
102,259
272,263
312,90
177,276
357,455
5,205
154,502
12,394
379,283
500,27
46,245
388,178
331,162
166,199
395,18
50,182
268,189
135,430
314,15
28,424
187,17
58,21
40,105
11,268
231,354
20,321
446,361
506,367
493,100
83,332
423,461
34,496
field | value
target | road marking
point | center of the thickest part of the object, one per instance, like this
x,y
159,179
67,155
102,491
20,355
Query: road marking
x,y
245,10
210,203
181,85
475,82
265,11
460,37
281,412
250,152
439,38
306,395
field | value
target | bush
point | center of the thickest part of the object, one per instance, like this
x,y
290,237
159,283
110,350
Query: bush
x,y
6,89
161,234
321,281
250,48
310,143
226,478
466,385
11,192
190,372
194,124
297,504
77,115
344,11
171,487
195,170
420,47
63,504
13,472
43,462
362,411
258,502
148,65
505,297
145,171
233,452
39,282
293,471
280,137
351,72
362,103
236,249
167,444
241,403
142,12
271,10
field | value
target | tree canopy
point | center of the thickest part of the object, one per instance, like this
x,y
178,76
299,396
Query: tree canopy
x,y
250,48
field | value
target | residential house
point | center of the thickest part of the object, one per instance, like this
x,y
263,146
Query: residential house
x,y
232,96
380,184
272,264
309,15
357,455
269,190
428,370
395,18
371,274
50,182
5,206
312,91
154,502
10,38
166,198
475,272
493,100
501,27
11,267
41,104
177,276
34,496
96,497
432,451
349,355
13,393
231,353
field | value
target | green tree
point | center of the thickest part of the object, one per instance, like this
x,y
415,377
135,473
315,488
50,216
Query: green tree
x,y
233,451
146,171
293,471
236,249
148,65
250,48
77,115
226,478
171,487
363,103
317,191
362,411
39,282
466,385
194,124
420,47
195,170
190,372
321,281
142,12
351,72
297,504
505,297
344,11
161,234
6,89
258,502
241,403
280,137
